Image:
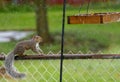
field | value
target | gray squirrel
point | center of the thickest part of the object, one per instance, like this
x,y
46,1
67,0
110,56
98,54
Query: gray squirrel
x,y
19,50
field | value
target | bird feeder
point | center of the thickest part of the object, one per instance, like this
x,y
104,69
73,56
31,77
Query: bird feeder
x,y
96,18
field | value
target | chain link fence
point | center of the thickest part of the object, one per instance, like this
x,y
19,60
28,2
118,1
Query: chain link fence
x,y
74,70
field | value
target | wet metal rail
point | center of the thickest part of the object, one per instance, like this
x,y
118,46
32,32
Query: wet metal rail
x,y
66,56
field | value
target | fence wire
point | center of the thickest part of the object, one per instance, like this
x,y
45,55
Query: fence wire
x,y
77,70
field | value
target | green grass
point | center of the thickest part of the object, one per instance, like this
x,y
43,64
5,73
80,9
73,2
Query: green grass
x,y
73,70
77,37
17,20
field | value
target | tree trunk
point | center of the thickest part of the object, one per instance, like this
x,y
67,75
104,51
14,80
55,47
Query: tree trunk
x,y
41,20
2,3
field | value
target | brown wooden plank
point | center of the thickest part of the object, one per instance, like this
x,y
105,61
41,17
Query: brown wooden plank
x,y
96,18
83,19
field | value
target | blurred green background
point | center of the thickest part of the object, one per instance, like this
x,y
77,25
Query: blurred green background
x,y
78,37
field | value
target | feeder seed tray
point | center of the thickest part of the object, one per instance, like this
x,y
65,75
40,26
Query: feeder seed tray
x,y
96,18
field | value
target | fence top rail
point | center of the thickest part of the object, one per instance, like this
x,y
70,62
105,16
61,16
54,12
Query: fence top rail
x,y
66,56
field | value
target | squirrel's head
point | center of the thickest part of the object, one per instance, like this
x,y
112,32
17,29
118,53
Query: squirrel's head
x,y
37,38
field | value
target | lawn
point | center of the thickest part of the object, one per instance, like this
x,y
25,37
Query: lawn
x,y
85,38
98,37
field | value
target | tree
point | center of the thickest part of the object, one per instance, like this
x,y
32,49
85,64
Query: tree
x,y
2,3
41,20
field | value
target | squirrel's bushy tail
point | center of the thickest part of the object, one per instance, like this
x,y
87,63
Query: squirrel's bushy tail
x,y
9,62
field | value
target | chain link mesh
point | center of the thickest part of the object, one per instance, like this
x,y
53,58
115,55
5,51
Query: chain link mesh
x,y
77,70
